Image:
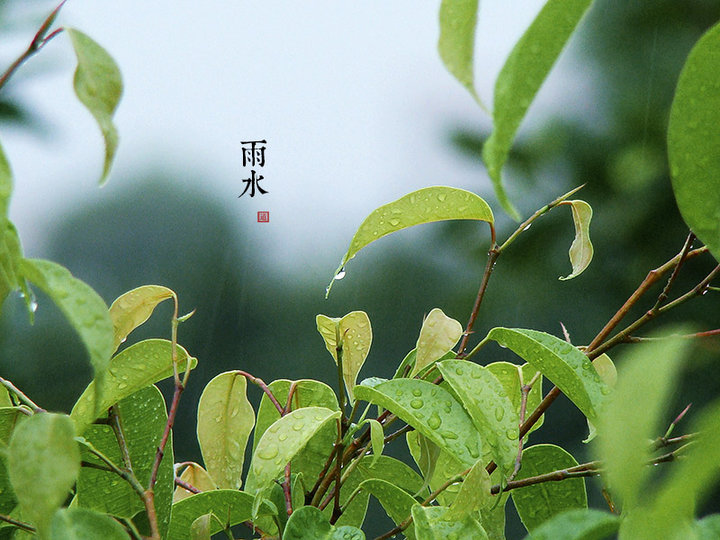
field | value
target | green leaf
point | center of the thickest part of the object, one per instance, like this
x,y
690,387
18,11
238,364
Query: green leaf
x,y
196,476
138,366
396,502
439,334
521,77
430,524
431,410
581,250
708,528
98,86
456,45
490,408
82,307
606,369
82,524
377,438
308,523
6,184
9,418
513,377
225,419
474,494
566,366
582,524
200,528
427,205
43,462
284,439
628,423
354,333
693,139
537,503
133,308
426,454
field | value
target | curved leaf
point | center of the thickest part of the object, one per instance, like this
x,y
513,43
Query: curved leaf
x,y
582,524
581,250
82,524
427,205
200,528
308,523
396,502
537,503
566,366
521,77
512,377
474,494
98,86
196,476
133,308
225,419
431,410
430,524
6,184
439,334
693,140
456,45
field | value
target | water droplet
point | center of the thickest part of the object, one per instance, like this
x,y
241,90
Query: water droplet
x,y
417,392
297,426
417,403
441,197
605,390
33,305
434,421
269,452
499,413
511,434
472,449
459,371
282,437
527,226
394,222
502,346
340,274
122,386
449,435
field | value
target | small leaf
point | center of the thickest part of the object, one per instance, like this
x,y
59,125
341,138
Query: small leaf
x,y
456,45
512,377
606,369
284,439
426,454
537,503
224,422
474,494
444,467
521,77
439,334
197,477
582,524
355,333
430,524
566,366
82,524
98,85
427,205
396,502
308,523
133,308
377,438
43,462
581,250
6,184
693,139
200,528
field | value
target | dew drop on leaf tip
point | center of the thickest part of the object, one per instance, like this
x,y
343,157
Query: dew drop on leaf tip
x,y
340,274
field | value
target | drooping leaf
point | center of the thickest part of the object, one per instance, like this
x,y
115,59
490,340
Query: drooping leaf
x,y
539,502
355,335
82,307
427,205
439,334
521,77
581,249
397,502
377,438
606,369
284,439
513,377
200,528
431,410
197,477
6,184
98,86
138,366
83,524
430,524
565,365
133,308
490,408
224,422
580,524
693,139
456,45
474,494
425,453
43,462
308,523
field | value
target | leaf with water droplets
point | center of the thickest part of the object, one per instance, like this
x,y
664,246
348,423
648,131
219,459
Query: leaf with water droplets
x,y
521,77
513,377
10,251
82,307
474,493
539,502
309,523
282,441
581,250
427,205
580,524
200,528
82,524
606,369
431,410
355,335
225,419
138,366
43,462
377,437
430,524
565,365
439,334
491,410
133,308
98,86
197,477
396,501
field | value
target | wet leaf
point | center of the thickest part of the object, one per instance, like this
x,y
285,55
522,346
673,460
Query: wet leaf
x,y
133,308
537,503
521,77
98,86
430,524
606,369
427,205
196,476
396,502
308,523
456,45
200,528
566,366
439,334
377,438
581,250
442,468
512,377
426,454
82,524
693,139
581,524
474,494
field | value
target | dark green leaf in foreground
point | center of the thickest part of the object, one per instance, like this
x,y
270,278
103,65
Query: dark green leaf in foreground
x,y
429,524
82,524
458,19
396,502
582,524
308,523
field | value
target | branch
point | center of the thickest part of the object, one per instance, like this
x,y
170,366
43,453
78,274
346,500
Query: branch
x,y
19,524
21,396
186,486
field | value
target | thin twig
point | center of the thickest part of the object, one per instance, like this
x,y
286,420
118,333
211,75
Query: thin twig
x,y
287,492
338,471
21,396
264,387
19,524
186,485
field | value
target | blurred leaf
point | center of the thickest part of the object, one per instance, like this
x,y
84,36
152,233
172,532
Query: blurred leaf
x,y
82,524
98,85
432,410
566,366
308,523
43,462
225,419
582,524
439,334
474,494
537,503
427,205
456,45
521,77
693,139
512,377
429,524
6,185
9,418
708,528
606,369
581,250
133,308
196,476
396,502
137,367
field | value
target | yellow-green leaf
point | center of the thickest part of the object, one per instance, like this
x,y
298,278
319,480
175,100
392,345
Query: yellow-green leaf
x,y
581,250
83,524
456,45
197,477
439,334
474,493
133,308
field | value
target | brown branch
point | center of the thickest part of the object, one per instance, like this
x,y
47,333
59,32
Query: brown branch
x,y
186,485
264,387
19,524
